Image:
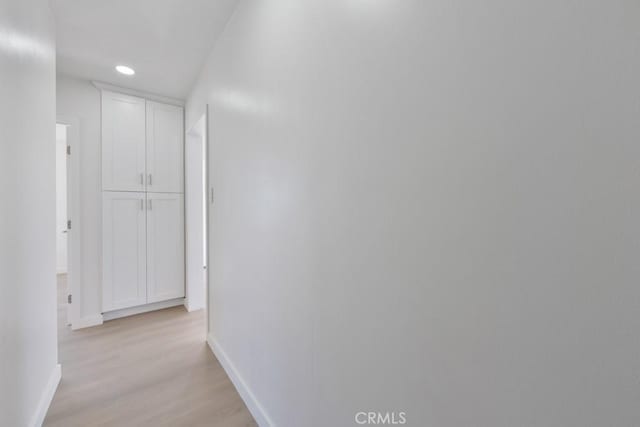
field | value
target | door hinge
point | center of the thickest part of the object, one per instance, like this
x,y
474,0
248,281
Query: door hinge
x,y
68,224
69,298
68,150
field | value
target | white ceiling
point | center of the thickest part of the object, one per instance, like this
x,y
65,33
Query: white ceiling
x,y
165,41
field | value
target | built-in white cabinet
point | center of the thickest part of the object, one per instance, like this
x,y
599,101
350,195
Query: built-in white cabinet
x,y
124,247
165,246
143,202
142,145
123,142
143,248
165,147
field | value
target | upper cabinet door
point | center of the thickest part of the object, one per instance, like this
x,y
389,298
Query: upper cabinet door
x,y
123,142
165,147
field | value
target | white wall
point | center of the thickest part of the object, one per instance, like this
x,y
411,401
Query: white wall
x,y
28,333
430,207
81,100
61,198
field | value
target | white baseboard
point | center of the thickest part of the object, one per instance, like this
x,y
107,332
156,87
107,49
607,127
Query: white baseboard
x,y
115,314
87,322
258,412
192,308
47,397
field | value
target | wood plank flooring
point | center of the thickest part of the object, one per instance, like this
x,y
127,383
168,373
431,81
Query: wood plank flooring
x,y
153,369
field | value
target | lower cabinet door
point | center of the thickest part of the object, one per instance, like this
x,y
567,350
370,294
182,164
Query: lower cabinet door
x,y
124,250
165,246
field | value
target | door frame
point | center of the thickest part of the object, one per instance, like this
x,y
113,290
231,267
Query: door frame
x,y
74,234
206,211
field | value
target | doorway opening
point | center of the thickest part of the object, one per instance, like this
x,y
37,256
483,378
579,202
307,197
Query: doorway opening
x,y
196,214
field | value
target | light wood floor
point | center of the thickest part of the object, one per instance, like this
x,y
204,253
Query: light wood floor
x,y
153,369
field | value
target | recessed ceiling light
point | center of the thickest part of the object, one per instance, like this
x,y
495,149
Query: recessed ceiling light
x,y
127,71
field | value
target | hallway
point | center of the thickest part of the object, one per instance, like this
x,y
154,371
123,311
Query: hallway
x,y
153,369
395,213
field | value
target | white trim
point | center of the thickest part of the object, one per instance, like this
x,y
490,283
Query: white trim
x,y
258,412
207,212
47,396
116,314
87,322
190,309
74,236
139,93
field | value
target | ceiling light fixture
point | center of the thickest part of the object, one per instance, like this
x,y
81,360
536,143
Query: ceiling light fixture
x,y
127,71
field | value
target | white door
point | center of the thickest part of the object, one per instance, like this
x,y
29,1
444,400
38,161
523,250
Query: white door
x,y
124,250
165,246
165,148
61,199
195,220
123,142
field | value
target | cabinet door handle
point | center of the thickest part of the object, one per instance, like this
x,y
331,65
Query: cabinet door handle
x,y
149,204
150,179
141,179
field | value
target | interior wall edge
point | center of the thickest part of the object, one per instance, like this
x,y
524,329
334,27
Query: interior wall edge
x,y
243,389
